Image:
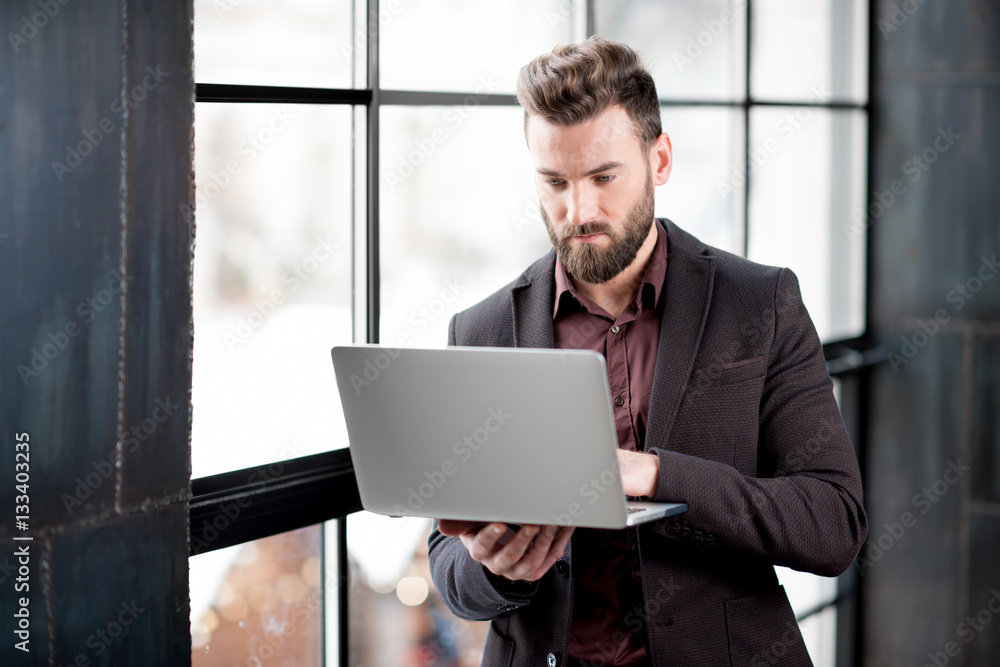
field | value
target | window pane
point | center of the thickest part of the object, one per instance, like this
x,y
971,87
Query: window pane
x,y
805,190
291,43
459,214
397,616
694,50
705,192
820,634
807,592
454,45
260,603
272,282
810,50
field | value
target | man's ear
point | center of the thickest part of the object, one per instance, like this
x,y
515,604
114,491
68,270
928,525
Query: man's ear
x,y
661,159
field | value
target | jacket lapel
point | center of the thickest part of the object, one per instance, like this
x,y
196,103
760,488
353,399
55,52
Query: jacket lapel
x,y
688,294
533,301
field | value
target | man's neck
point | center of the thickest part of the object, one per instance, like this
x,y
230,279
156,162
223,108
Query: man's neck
x,y
615,295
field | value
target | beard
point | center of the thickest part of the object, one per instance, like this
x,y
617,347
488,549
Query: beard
x,y
597,265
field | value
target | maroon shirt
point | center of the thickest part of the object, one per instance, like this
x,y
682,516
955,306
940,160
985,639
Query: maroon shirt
x,y
608,624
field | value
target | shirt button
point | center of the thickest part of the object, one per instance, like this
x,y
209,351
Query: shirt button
x,y
619,401
615,329
551,660
562,567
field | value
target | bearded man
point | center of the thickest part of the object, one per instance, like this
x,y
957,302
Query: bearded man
x,y
721,401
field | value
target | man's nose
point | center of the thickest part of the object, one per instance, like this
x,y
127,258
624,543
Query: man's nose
x,y
581,206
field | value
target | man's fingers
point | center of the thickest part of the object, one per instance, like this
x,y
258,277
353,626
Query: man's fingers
x,y
555,551
515,549
532,563
559,546
537,563
483,544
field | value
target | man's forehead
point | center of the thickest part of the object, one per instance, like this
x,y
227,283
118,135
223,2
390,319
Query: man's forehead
x,y
610,137
612,124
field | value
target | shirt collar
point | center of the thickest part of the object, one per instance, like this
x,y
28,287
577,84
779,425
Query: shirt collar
x,y
648,294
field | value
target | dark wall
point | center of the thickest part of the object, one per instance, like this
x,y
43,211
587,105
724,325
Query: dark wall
x,y
932,562
96,104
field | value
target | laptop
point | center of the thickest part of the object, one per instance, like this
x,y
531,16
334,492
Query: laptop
x,y
522,436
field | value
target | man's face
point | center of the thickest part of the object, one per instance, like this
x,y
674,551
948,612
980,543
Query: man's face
x,y
595,188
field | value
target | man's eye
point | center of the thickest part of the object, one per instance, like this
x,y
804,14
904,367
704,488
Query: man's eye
x,y
554,182
604,179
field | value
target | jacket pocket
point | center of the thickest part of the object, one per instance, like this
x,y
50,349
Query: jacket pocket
x,y
762,631
734,371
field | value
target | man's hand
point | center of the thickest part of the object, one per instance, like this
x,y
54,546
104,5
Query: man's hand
x,y
527,555
640,472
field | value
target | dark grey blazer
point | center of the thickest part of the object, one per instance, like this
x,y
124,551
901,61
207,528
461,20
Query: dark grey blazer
x,y
744,421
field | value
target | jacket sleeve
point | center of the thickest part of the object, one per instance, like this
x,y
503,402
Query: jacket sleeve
x,y
470,590
805,510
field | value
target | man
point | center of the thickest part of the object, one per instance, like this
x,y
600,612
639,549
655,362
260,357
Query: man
x,y
721,401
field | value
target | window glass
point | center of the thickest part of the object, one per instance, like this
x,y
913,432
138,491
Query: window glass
x,y
272,281
807,592
397,616
305,43
694,50
805,191
459,214
459,46
260,603
705,193
810,50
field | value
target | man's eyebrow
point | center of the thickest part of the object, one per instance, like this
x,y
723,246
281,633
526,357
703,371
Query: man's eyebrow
x,y
607,166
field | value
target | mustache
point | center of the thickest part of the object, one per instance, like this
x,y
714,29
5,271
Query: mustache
x,y
588,228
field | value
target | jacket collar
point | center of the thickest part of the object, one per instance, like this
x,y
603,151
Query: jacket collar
x,y
690,276
688,293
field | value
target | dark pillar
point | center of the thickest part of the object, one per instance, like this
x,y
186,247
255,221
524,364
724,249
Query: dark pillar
x,y
933,467
96,104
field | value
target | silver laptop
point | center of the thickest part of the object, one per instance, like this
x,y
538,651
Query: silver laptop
x,y
486,434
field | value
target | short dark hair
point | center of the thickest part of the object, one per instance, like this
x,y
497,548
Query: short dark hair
x,y
577,82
